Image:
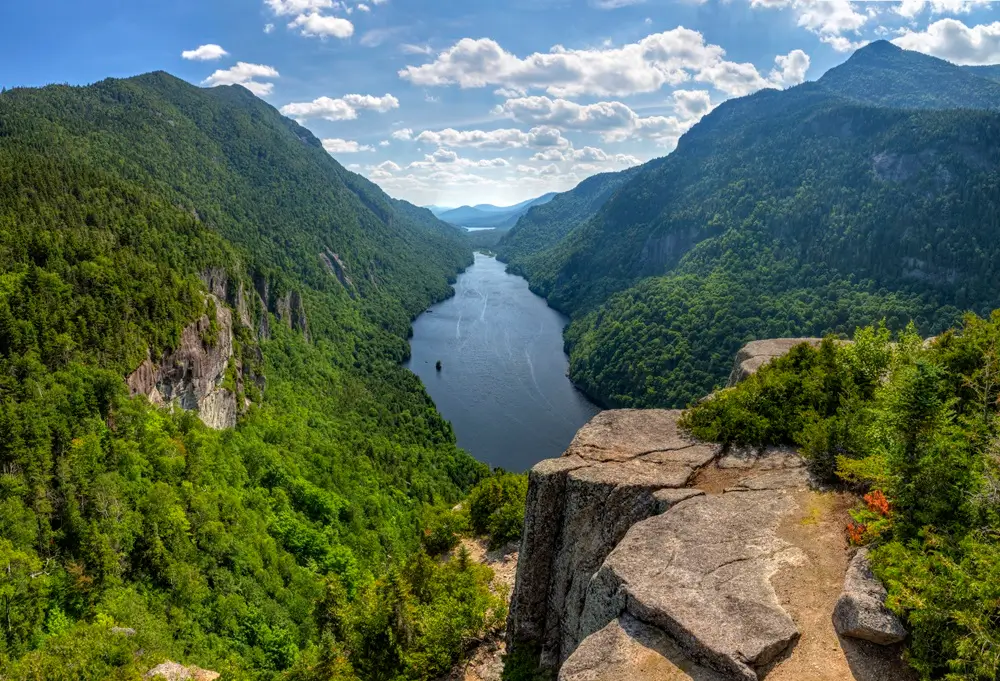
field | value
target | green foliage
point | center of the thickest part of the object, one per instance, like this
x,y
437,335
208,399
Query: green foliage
x,y
917,424
120,203
496,507
802,212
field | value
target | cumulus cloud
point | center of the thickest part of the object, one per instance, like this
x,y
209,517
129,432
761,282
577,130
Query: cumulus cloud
x,y
246,75
911,8
205,53
316,25
505,138
829,19
615,4
447,157
341,109
692,104
404,134
952,40
669,58
614,121
790,69
289,7
338,146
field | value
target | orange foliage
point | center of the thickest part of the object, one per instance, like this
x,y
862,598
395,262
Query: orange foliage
x,y
856,533
877,503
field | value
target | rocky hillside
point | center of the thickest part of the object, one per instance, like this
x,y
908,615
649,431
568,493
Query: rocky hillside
x,y
650,555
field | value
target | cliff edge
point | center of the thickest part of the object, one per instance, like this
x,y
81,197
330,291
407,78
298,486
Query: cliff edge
x,y
647,554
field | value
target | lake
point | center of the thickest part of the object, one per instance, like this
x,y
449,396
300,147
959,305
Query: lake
x,y
503,381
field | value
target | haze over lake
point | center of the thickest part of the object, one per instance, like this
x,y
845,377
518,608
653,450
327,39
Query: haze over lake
x,y
503,381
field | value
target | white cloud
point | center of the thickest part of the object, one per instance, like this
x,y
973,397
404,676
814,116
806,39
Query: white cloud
x,y
341,109
829,19
246,75
404,134
407,48
505,138
692,104
384,143
790,69
319,26
205,53
615,121
615,4
389,166
339,146
669,58
448,158
289,7
952,40
269,28
645,66
911,8
362,7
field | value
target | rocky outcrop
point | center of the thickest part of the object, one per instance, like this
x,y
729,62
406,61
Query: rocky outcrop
x,y
647,554
622,467
628,650
336,267
861,611
756,354
701,574
172,671
191,377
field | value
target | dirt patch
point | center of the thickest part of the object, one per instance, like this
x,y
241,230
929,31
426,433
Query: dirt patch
x,y
484,662
809,592
714,480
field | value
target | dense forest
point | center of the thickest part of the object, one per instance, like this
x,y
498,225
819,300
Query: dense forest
x,y
913,427
296,545
858,197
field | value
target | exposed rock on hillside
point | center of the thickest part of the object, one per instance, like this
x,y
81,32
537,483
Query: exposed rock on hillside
x,y
861,611
192,376
172,671
756,354
649,555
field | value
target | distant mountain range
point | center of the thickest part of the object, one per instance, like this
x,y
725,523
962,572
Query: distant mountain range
x,y
486,215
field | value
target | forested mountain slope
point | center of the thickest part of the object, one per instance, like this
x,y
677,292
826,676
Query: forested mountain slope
x,y
545,225
795,212
122,205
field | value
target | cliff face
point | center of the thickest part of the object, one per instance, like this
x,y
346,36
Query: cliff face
x,y
191,376
649,555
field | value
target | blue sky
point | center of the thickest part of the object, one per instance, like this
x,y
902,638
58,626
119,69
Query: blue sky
x,y
468,101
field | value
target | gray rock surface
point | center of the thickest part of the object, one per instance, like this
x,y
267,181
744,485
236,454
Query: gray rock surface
x,y
191,376
622,467
629,650
173,671
756,354
860,612
701,573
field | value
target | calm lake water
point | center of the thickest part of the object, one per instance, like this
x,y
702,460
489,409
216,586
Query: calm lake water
x,y
503,381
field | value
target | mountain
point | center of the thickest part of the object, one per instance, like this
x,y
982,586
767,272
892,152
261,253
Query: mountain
x,y
991,72
784,213
166,244
437,210
886,75
544,225
486,215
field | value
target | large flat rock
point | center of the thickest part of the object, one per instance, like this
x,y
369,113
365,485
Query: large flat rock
x,y
623,467
756,354
701,573
629,650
